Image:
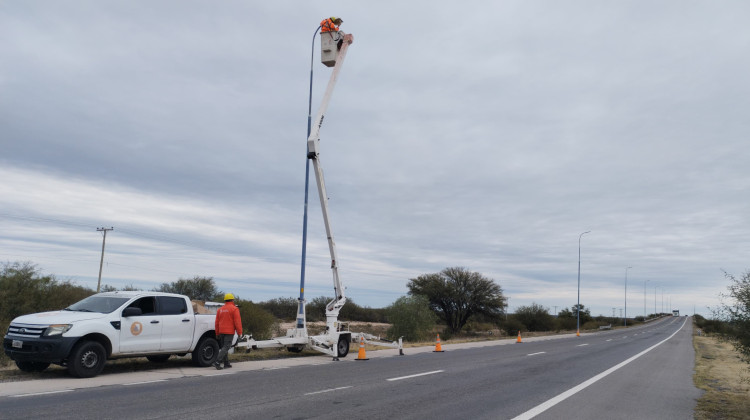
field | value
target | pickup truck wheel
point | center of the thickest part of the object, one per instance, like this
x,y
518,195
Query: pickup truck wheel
x,y
160,358
27,366
87,359
343,348
205,352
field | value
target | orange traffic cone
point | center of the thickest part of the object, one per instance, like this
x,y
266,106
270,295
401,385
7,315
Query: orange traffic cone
x,y
518,340
361,355
578,333
438,348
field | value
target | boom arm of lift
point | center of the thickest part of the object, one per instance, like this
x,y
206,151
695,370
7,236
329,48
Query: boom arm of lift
x,y
335,340
313,153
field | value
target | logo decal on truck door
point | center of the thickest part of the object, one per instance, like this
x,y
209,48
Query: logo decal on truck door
x,y
136,328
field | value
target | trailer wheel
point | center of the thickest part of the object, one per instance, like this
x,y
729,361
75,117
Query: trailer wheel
x,y
27,366
87,359
205,352
343,348
295,349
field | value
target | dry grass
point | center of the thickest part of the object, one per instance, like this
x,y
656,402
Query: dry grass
x,y
724,377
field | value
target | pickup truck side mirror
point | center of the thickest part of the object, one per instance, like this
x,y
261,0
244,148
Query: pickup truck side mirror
x,y
128,312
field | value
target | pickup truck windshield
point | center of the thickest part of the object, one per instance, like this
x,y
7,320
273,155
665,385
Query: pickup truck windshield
x,y
103,304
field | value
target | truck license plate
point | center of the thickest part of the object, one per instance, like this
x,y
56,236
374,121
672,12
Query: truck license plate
x,y
17,344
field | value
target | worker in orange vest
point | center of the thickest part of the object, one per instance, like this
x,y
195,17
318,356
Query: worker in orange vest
x,y
331,24
227,323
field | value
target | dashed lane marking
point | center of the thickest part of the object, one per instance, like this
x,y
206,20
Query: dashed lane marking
x,y
415,375
328,390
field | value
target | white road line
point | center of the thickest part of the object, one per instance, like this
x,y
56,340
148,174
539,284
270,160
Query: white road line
x,y
277,368
414,376
534,354
539,409
581,345
328,390
145,382
40,393
609,339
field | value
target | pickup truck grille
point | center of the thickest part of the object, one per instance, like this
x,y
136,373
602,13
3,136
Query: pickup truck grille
x,y
27,331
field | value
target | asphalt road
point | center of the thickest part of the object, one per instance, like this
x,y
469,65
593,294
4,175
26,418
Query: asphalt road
x,y
639,373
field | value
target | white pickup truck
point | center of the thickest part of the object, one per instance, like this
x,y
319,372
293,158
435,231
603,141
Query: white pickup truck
x,y
109,326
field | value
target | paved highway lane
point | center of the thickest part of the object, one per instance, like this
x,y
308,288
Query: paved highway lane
x,y
489,380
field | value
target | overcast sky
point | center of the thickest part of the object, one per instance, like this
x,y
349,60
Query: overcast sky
x,y
485,134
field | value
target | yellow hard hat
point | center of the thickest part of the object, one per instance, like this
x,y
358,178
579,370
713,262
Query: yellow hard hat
x,y
229,296
335,19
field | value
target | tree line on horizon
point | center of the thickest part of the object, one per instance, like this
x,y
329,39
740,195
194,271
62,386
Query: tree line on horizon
x,y
455,301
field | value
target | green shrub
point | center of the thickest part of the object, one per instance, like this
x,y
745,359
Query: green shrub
x,y
4,360
255,320
282,308
534,317
512,326
411,318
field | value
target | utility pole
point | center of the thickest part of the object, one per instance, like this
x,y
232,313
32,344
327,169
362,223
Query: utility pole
x,y
578,304
645,311
626,295
101,261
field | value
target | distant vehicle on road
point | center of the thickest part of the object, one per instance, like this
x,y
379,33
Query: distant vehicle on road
x,y
675,312
113,325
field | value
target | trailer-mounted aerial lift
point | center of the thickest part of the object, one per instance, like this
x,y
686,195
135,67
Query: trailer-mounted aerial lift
x,y
336,338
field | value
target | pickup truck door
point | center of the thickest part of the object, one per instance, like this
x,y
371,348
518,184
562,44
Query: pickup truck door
x,y
141,333
178,323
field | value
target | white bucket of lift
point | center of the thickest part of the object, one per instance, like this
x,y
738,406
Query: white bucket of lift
x,y
329,47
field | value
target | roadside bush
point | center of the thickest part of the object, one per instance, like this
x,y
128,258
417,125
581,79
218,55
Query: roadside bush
x,y
23,290
282,308
565,324
411,318
255,320
197,288
316,311
512,326
4,360
735,309
535,317
593,325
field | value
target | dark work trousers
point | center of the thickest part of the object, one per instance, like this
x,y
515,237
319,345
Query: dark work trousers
x,y
225,342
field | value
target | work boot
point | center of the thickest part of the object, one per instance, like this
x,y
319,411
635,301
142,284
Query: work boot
x,y
217,366
227,365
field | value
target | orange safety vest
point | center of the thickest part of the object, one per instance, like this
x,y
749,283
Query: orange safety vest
x,y
327,25
228,319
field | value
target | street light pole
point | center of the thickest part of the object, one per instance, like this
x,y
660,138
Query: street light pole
x,y
578,306
644,298
654,300
626,295
662,299
301,300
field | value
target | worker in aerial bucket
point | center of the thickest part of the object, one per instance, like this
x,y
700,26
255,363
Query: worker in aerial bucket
x,y
331,24
227,323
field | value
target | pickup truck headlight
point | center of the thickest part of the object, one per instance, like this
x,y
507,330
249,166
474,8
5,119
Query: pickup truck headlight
x,y
57,329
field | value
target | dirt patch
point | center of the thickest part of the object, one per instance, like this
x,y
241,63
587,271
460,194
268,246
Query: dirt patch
x,y
724,377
